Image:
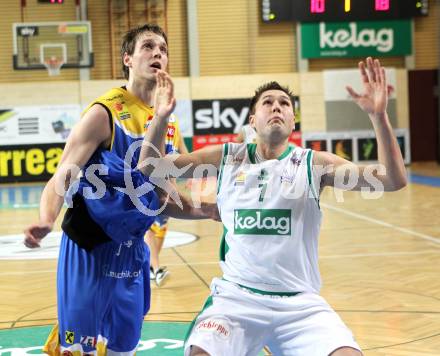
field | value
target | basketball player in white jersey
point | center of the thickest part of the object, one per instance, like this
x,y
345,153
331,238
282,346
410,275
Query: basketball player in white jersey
x,y
268,198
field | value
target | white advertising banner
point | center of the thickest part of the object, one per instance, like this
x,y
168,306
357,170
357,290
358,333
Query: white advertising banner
x,y
335,82
37,124
183,111
340,110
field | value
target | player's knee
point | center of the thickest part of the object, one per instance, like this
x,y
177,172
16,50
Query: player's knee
x,y
346,351
197,351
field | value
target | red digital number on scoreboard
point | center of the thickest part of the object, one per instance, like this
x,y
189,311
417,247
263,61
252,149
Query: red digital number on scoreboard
x,y
382,5
317,6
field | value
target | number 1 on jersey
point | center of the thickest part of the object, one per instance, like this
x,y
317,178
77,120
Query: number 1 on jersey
x,y
263,178
263,187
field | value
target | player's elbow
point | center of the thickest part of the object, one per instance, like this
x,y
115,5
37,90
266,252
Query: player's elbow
x,y
403,182
397,184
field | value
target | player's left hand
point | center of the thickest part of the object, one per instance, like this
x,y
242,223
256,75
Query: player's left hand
x,y
35,233
164,102
374,99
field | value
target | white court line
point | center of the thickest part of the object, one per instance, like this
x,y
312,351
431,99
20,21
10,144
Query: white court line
x,y
205,263
19,273
383,223
381,254
377,254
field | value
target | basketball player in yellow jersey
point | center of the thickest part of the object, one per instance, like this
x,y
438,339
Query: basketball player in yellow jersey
x,y
103,290
124,107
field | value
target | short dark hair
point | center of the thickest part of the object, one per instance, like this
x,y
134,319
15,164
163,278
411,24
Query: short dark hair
x,y
130,38
265,87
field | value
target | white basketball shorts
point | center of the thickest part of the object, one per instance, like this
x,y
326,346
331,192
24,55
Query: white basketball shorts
x,y
238,322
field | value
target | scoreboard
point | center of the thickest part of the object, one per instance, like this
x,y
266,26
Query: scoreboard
x,y
341,10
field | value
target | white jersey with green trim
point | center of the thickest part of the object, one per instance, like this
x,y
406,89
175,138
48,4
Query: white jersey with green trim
x,y
271,217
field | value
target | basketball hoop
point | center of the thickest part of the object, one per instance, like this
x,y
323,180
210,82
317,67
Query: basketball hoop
x,y
53,65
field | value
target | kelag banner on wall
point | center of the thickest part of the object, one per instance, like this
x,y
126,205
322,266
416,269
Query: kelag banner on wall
x,y
356,39
37,124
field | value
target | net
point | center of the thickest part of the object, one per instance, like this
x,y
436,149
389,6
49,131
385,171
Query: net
x,y
53,65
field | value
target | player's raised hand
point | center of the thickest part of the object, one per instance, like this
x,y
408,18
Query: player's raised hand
x,y
374,98
35,233
164,102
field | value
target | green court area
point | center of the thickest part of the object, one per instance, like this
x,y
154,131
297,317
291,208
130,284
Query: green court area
x,y
161,339
158,339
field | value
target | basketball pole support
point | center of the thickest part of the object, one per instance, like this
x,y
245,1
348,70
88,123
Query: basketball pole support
x,y
81,15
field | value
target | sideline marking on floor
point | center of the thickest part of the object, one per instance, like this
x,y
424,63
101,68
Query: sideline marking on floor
x,y
12,248
429,238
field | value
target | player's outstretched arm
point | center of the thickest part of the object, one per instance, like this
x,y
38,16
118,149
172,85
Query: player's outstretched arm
x,y
197,164
373,101
189,211
92,131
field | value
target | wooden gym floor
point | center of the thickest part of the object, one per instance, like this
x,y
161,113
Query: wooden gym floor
x,y
379,260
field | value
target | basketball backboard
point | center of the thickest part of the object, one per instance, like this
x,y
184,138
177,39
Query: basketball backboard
x,y
37,43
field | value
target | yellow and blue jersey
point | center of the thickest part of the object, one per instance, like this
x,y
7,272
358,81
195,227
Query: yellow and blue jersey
x,y
102,248
130,118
